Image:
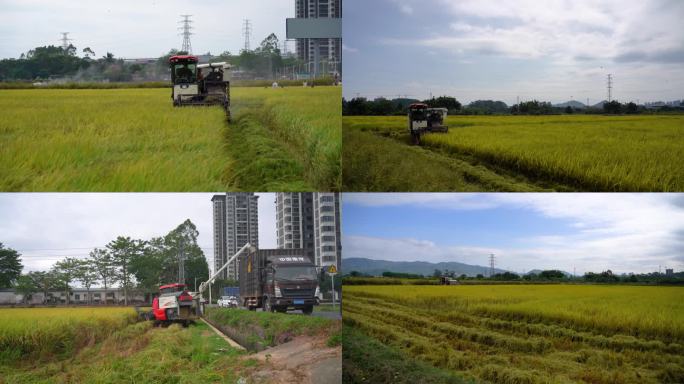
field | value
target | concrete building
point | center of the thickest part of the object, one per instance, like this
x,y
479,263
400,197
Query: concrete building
x,y
669,272
310,221
236,223
330,50
294,221
327,231
77,296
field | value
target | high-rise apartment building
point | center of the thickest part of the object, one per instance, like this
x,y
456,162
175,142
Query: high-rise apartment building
x,y
310,221
330,50
236,223
327,231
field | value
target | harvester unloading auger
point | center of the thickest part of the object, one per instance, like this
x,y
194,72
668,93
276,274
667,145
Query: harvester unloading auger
x,y
423,119
200,84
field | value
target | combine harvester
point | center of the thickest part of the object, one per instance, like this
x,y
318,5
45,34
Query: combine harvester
x,y
422,120
173,305
200,84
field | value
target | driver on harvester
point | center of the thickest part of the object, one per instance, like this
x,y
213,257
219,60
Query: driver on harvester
x,y
184,73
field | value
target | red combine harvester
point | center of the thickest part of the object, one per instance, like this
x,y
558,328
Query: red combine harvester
x,y
175,305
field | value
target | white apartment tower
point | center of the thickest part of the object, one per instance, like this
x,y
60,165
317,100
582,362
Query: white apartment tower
x,y
330,49
310,221
236,223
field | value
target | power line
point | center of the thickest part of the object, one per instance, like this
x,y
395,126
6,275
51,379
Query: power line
x,y
186,28
610,87
247,32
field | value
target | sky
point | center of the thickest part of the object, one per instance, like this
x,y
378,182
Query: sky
x,y
554,50
46,227
574,232
138,28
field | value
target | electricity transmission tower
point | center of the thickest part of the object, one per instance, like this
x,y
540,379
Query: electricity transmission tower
x,y
65,40
247,32
610,87
186,28
492,261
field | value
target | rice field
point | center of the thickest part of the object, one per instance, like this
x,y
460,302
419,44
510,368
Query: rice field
x,y
45,332
134,140
529,334
568,152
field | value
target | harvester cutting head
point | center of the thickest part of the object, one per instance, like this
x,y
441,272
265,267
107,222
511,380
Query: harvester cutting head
x,y
199,84
423,119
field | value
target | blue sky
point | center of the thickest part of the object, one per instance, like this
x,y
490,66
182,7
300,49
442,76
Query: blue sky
x,y
586,232
138,28
475,49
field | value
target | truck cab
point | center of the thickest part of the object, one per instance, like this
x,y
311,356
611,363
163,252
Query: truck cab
x,y
278,280
291,282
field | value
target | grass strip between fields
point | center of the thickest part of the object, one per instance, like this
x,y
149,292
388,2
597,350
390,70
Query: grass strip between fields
x,y
264,329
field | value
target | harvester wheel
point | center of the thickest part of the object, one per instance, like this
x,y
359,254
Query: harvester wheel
x,y
415,138
307,310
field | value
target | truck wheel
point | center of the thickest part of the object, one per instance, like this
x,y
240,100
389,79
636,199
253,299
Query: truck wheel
x,y
308,310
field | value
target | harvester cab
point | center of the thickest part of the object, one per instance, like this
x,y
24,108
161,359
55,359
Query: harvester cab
x,y
175,305
423,119
200,84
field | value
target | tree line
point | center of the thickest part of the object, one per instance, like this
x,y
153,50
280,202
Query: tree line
x,y
50,62
551,275
139,266
361,106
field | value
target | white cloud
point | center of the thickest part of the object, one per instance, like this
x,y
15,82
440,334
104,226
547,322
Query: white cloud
x,y
131,28
624,232
46,227
349,49
562,30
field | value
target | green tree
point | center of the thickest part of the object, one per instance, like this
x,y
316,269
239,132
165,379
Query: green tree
x,y
123,251
103,265
66,271
45,282
437,273
26,287
614,107
10,266
87,275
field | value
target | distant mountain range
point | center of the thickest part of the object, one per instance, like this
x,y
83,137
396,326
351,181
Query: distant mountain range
x,y
573,103
377,267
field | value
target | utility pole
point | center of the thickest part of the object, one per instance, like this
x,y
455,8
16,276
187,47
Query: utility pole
x,y
65,40
186,28
246,32
492,261
181,264
610,87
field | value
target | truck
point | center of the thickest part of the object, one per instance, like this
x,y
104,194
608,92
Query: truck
x,y
278,280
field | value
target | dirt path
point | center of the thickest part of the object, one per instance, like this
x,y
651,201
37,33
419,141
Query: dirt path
x,y
303,360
